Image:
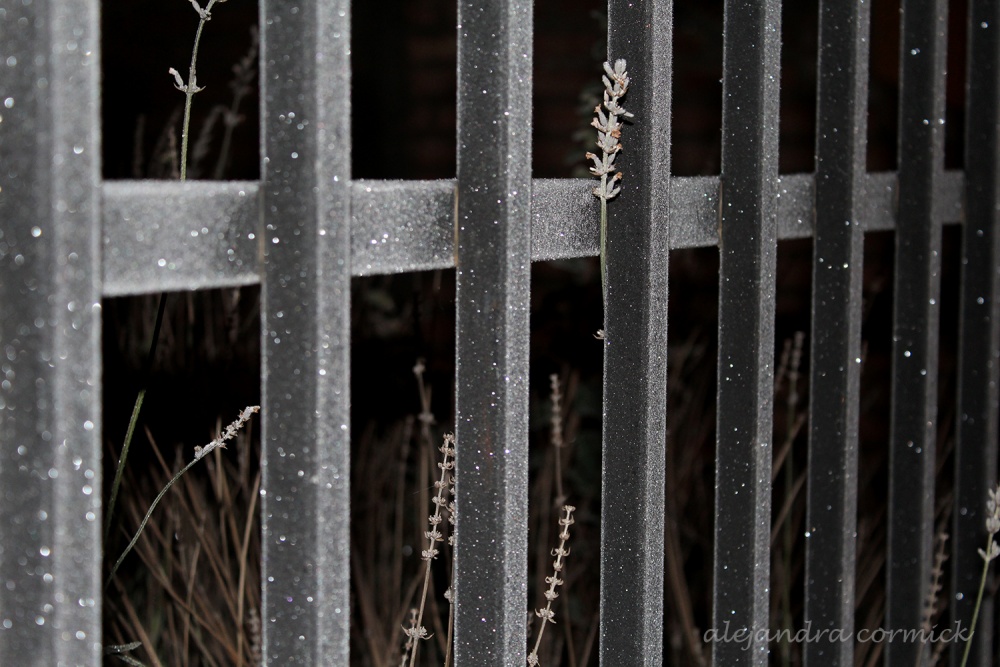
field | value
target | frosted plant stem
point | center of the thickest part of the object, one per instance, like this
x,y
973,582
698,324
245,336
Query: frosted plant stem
x,y
145,520
199,454
191,87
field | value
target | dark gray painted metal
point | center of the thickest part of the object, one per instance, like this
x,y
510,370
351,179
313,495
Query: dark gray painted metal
x,y
915,323
694,212
747,253
305,50
979,360
949,197
492,304
167,235
796,202
835,356
50,543
635,349
880,206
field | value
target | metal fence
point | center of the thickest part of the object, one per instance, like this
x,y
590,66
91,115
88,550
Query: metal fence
x,y
67,239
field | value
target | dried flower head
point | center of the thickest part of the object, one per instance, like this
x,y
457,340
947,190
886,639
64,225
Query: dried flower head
x,y
988,555
228,434
609,126
444,487
547,614
992,525
608,122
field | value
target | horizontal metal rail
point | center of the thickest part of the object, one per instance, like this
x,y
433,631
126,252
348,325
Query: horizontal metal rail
x,y
162,235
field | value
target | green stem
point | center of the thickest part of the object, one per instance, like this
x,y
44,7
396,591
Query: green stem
x,y
124,456
979,602
192,88
135,416
604,242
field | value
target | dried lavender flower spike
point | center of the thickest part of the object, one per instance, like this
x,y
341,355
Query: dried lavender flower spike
x,y
229,433
609,134
547,614
444,487
989,554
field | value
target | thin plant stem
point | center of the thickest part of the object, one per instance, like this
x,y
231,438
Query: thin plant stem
x,y
145,520
189,90
135,416
192,84
989,555
975,611
451,631
604,241
199,454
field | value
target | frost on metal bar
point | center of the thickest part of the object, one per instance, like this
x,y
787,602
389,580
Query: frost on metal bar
x,y
915,322
492,302
564,215
155,238
835,356
305,49
796,203
166,235
694,212
50,550
401,226
747,253
635,346
979,365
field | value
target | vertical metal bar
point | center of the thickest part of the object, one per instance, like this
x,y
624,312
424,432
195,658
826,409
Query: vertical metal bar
x,y
305,78
835,365
635,349
747,254
493,282
979,366
50,548
923,26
